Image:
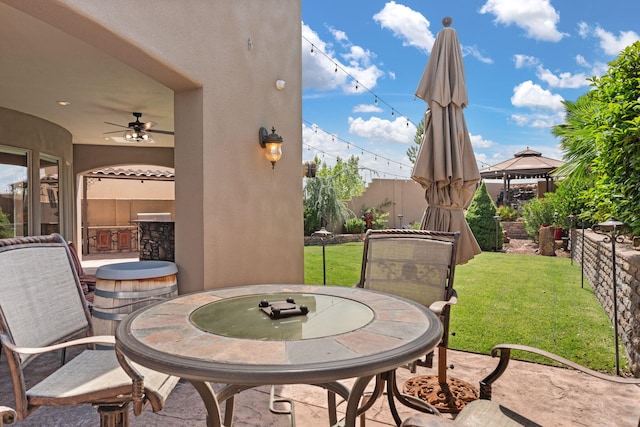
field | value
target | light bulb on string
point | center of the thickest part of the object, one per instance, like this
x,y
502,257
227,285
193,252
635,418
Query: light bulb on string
x,y
312,51
375,101
336,70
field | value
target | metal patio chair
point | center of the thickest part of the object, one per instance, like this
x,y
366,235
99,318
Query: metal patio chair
x,y
418,265
415,264
42,309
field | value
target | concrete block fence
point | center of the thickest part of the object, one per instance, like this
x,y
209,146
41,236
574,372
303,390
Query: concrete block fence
x,y
597,268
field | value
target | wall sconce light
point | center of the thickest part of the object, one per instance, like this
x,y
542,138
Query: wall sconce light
x,y
272,143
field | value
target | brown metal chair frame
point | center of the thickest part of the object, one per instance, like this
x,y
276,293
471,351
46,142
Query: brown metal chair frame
x,y
424,280
34,267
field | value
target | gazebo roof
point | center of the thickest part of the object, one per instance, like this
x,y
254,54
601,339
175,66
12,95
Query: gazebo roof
x,y
524,164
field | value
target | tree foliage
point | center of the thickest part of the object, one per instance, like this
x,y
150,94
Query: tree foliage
x,y
480,217
412,152
324,195
344,176
601,140
5,226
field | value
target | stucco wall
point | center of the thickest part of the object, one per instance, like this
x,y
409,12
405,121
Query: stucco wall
x,y
42,137
406,197
597,267
221,59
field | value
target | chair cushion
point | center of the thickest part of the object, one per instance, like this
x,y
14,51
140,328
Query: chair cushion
x,y
95,375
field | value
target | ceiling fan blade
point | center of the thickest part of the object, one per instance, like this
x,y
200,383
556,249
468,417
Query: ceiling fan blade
x,y
148,125
166,132
115,124
113,131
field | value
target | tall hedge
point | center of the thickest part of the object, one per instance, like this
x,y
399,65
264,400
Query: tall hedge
x,y
480,219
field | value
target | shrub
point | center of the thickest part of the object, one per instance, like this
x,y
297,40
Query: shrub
x,y
480,219
354,226
536,213
5,226
507,213
311,220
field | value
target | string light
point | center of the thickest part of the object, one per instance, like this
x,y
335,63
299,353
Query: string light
x,y
335,138
358,84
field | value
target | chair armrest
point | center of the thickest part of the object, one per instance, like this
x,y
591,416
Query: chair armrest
x,y
7,415
97,339
438,306
504,352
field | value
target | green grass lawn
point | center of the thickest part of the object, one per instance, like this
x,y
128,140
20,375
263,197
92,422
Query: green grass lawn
x,y
506,298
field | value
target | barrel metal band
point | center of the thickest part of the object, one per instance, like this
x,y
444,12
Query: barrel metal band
x,y
136,294
108,316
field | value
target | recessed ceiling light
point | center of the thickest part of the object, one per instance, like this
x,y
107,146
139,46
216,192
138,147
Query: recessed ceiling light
x,y
63,103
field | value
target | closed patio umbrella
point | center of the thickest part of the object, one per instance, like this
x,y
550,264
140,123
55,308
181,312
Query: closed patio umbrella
x,y
446,168
445,165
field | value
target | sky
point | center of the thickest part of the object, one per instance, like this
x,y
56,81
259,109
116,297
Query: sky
x,y
362,61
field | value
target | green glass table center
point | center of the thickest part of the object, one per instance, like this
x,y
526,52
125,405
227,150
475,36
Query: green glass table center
x,y
241,317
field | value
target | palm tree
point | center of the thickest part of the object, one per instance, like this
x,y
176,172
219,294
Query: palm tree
x,y
578,139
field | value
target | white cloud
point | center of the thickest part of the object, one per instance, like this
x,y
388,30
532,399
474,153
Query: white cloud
x,y
339,35
406,24
613,45
530,95
474,52
583,29
477,141
562,80
367,108
316,141
322,70
413,28
537,17
580,60
383,130
539,120
525,61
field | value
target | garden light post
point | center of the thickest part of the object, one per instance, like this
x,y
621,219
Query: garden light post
x,y
400,219
582,255
496,218
571,217
323,234
614,230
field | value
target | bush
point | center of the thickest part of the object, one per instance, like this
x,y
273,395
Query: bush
x,y
311,221
354,226
5,226
480,219
507,213
536,213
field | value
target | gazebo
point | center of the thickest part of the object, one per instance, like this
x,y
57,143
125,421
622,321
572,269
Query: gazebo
x,y
526,164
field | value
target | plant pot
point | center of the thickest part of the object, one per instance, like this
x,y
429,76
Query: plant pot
x,y
558,233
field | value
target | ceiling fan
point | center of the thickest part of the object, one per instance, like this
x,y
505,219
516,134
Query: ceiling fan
x,y
138,131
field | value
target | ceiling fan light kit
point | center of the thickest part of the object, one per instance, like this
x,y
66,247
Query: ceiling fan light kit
x,y
138,131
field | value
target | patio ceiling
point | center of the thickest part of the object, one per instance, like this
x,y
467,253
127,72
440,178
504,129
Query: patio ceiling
x,y
41,65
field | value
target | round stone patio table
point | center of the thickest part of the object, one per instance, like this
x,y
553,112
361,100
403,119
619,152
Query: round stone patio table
x,y
223,336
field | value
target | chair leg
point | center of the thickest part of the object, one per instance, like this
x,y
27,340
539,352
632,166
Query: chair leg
x,y
114,416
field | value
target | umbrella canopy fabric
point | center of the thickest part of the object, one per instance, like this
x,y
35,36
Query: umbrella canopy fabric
x,y
445,165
